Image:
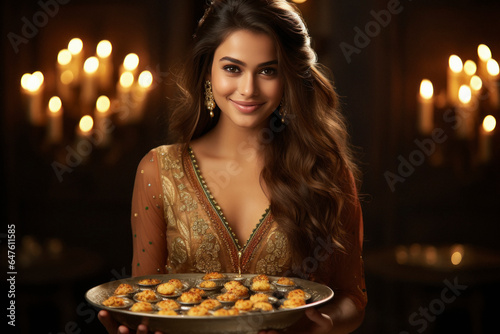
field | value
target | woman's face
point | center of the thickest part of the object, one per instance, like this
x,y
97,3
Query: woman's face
x,y
245,80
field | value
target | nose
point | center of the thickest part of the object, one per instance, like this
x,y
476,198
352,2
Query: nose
x,y
248,85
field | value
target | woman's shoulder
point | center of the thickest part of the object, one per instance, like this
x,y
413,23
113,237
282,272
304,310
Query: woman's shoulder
x,y
158,155
170,149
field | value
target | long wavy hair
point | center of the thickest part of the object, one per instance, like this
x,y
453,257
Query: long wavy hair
x,y
308,166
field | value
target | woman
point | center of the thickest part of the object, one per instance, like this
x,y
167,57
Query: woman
x,y
261,179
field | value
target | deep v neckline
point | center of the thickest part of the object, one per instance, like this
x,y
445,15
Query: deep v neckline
x,y
216,208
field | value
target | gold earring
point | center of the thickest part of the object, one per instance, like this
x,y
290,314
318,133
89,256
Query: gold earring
x,y
282,112
209,98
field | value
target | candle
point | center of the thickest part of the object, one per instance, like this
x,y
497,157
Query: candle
x,y
426,107
84,140
55,126
89,89
141,90
470,69
123,89
493,72
65,75
455,69
75,46
485,138
102,108
32,87
465,113
484,54
476,84
103,52
130,64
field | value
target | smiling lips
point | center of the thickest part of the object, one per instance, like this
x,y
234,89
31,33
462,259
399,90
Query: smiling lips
x,y
247,107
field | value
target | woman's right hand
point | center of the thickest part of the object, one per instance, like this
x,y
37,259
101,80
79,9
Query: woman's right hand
x,y
115,328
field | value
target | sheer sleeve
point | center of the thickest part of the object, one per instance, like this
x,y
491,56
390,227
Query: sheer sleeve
x,y
148,223
348,277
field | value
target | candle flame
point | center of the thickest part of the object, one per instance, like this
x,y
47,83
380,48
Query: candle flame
x,y
75,46
64,57
104,49
465,94
492,67
145,79
455,63
299,1
126,79
470,68
489,123
131,62
67,77
476,83
426,89
32,82
103,104
91,65
484,52
456,258
55,104
86,123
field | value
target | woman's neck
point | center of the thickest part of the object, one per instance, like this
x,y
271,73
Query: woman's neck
x,y
232,142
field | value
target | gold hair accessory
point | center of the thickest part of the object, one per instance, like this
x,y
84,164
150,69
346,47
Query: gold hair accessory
x,y
209,98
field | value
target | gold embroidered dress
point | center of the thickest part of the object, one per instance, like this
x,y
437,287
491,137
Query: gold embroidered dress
x,y
178,227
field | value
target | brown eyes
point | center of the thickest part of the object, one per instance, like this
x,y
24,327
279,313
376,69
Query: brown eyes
x,y
268,71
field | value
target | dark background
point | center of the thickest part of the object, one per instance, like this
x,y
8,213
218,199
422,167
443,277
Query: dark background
x,y
74,233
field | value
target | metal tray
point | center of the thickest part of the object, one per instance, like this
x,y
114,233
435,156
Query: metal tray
x,y
245,323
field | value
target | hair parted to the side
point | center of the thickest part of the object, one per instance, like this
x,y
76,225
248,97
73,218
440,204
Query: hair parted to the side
x,y
309,167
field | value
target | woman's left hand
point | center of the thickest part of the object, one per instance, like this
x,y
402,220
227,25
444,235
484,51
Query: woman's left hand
x,y
315,323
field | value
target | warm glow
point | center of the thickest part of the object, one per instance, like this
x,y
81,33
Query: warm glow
x,y
32,82
426,89
75,46
67,77
131,62
64,57
104,49
489,123
456,258
299,1
456,64
401,255
126,79
145,79
465,94
476,83
415,250
55,104
91,65
103,103
86,123
25,80
470,67
431,255
484,52
492,67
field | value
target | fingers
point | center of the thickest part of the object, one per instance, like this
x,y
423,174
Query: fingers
x,y
322,321
108,322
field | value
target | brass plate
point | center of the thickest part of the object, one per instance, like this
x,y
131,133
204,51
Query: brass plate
x,y
246,323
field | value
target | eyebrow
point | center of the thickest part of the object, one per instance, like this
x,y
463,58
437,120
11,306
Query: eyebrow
x,y
239,62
